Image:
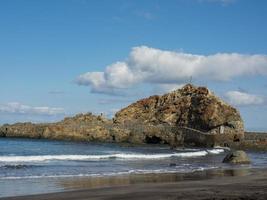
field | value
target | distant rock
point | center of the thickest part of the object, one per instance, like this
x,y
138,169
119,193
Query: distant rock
x,y
237,157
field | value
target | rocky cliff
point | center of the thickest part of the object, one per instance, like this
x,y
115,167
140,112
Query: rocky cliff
x,y
187,116
194,109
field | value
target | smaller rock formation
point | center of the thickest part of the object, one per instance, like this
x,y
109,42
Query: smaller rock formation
x,y
237,157
82,127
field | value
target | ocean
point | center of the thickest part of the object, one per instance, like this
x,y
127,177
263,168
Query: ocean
x,y
30,166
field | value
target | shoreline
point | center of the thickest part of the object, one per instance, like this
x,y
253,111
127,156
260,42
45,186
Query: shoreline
x,y
240,183
254,141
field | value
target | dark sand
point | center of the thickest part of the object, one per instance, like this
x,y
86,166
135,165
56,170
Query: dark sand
x,y
231,184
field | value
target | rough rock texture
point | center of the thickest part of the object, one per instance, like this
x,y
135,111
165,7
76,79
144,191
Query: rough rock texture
x,y
237,157
189,116
82,127
195,109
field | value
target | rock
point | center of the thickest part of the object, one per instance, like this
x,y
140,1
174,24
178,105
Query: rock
x,y
191,111
191,116
82,127
237,157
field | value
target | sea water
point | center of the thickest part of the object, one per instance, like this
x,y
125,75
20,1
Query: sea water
x,y
30,166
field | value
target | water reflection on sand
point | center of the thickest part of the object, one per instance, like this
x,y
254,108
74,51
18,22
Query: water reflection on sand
x,y
51,185
98,182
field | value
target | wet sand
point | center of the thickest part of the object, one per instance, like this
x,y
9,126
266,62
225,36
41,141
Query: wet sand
x,y
212,184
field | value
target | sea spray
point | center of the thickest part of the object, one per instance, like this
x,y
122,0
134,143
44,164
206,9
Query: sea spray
x,y
121,156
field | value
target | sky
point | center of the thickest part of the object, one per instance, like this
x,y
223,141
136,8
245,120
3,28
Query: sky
x,y
63,57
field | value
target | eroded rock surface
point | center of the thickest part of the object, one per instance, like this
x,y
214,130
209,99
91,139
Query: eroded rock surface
x,y
85,127
193,108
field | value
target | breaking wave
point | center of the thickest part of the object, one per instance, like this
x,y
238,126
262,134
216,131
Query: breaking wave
x,y
120,156
215,151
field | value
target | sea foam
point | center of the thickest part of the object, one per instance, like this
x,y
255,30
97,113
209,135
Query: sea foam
x,y
215,151
121,156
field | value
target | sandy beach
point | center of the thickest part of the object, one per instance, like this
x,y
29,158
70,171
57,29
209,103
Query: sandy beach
x,y
226,184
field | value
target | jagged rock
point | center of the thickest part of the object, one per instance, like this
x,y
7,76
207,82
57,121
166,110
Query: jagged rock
x,y
237,157
85,127
194,108
82,127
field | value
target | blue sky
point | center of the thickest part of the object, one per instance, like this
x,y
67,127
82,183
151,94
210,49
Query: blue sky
x,y
63,57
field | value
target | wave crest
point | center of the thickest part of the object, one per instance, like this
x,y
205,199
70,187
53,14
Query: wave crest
x,y
121,156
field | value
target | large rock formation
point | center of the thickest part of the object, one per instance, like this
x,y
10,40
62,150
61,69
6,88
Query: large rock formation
x,y
188,116
193,110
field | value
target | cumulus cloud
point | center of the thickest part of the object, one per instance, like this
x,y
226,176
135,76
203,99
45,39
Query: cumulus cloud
x,y
155,66
243,99
18,108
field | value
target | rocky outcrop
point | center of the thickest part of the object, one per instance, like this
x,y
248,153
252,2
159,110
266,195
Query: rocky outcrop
x,y
237,157
194,111
84,127
188,116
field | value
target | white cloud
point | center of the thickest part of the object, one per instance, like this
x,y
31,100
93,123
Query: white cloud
x,y
243,99
18,108
115,77
155,66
